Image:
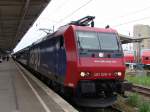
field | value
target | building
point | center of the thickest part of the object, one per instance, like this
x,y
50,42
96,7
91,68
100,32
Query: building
x,y
142,31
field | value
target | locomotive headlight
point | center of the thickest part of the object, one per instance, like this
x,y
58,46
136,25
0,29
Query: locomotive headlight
x,y
84,74
118,74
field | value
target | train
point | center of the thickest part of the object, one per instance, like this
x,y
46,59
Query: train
x,y
129,57
81,61
143,60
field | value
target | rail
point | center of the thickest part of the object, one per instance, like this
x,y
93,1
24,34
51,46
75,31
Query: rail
x,y
141,89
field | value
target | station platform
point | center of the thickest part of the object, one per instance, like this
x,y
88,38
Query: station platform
x,y
20,92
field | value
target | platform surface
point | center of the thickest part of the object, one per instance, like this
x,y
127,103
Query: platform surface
x,y
16,95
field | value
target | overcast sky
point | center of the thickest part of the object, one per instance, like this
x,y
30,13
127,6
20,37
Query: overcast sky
x,y
121,15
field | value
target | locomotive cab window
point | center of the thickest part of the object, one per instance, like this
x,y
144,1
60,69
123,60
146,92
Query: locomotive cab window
x,y
108,41
88,40
97,41
91,43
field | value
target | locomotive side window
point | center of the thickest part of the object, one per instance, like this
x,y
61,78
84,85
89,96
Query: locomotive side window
x,y
61,42
146,58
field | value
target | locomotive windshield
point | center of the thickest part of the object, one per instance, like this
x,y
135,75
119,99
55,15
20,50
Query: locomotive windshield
x,y
97,41
88,40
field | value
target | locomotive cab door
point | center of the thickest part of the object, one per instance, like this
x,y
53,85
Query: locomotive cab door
x,y
60,58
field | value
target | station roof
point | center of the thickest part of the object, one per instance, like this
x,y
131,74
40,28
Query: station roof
x,y
16,17
125,39
128,39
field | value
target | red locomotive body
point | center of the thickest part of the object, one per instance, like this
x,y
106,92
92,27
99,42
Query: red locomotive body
x,y
84,62
94,67
99,67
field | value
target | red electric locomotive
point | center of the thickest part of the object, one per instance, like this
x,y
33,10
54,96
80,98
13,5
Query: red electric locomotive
x,y
84,62
95,64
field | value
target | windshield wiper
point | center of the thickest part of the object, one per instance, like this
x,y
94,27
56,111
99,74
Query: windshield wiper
x,y
81,48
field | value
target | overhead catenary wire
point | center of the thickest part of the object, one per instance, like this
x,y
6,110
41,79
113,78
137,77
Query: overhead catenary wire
x,y
128,22
132,21
62,5
70,14
137,11
131,13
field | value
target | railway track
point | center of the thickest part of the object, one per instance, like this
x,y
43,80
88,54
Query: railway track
x,y
114,109
107,109
141,89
